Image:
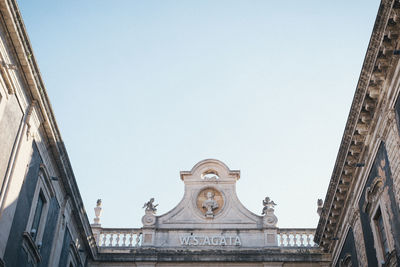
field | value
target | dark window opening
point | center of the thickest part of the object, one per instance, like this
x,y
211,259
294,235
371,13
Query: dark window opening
x,y
38,214
381,231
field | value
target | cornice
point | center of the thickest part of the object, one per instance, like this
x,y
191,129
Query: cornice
x,y
377,66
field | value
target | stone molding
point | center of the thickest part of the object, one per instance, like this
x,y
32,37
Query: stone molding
x,y
271,255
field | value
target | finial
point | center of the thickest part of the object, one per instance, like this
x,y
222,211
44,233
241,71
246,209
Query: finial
x,y
97,212
320,204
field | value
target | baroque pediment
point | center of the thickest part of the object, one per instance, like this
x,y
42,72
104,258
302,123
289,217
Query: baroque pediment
x,y
210,201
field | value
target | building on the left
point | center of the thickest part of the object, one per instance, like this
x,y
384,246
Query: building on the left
x,y
42,218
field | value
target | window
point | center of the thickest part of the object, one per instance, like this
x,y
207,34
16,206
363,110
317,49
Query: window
x,y
38,214
33,234
380,230
39,209
374,206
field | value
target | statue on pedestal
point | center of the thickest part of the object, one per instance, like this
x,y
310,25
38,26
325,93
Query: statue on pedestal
x,y
149,219
270,219
150,206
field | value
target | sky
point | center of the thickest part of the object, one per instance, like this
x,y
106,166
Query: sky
x,y
142,90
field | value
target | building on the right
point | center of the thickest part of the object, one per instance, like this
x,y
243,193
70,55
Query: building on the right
x,y
360,219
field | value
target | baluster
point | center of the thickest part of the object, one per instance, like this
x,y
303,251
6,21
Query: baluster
x,y
308,236
302,244
130,239
117,239
137,239
104,240
287,240
111,240
124,239
295,239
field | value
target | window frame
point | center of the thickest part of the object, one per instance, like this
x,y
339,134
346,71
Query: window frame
x,y
381,254
37,215
44,189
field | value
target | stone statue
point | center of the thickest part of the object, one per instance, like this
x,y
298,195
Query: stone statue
x,y
210,204
98,203
150,207
268,205
269,219
320,204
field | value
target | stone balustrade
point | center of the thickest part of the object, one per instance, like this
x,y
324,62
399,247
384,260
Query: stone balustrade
x,y
119,237
132,237
296,237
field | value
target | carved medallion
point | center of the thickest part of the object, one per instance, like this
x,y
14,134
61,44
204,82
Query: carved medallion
x,y
148,219
209,202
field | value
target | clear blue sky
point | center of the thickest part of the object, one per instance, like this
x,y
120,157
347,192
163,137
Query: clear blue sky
x,y
144,89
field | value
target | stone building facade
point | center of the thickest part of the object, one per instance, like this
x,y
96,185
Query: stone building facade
x,y
43,221
360,222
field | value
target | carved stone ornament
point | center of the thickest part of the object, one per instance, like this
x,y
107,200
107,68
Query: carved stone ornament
x,y
346,261
150,207
270,220
372,194
148,219
209,202
354,217
268,205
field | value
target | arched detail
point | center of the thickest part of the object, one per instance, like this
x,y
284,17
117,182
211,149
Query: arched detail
x,y
346,261
372,194
216,168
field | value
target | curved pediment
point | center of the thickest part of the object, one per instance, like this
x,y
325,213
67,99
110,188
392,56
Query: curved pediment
x,y
209,201
210,169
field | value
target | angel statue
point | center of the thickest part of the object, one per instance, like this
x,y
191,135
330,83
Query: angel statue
x,y
150,206
268,204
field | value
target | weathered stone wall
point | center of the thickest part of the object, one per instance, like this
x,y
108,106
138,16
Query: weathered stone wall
x,y
359,240
393,146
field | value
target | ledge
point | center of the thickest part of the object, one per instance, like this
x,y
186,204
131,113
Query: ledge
x,y
303,255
